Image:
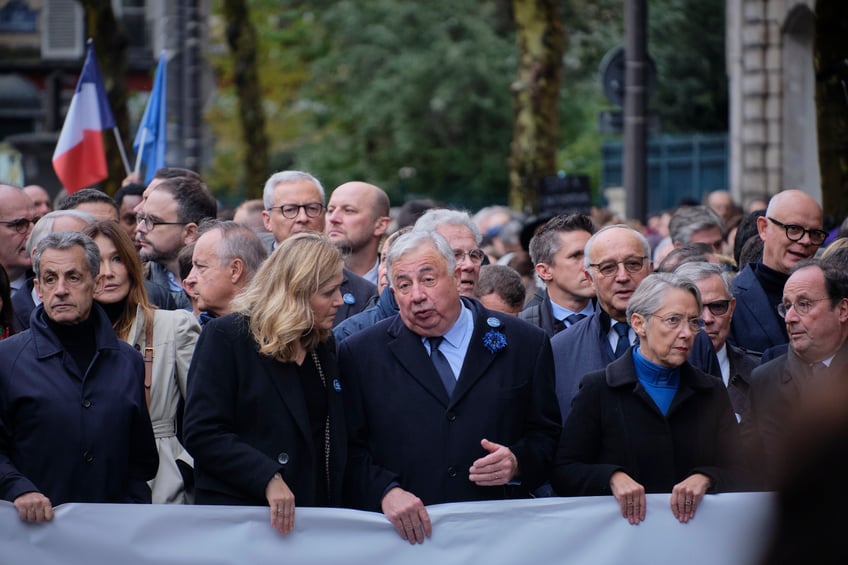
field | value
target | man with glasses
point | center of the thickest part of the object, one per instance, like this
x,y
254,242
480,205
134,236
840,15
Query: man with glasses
x,y
791,231
17,216
616,259
170,214
736,363
814,307
463,237
294,203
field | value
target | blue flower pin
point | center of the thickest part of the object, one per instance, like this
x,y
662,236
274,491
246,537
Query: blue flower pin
x,y
337,386
494,341
349,298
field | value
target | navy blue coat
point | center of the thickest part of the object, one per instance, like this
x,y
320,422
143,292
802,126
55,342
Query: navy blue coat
x,y
74,437
384,308
246,418
357,294
404,429
755,325
584,347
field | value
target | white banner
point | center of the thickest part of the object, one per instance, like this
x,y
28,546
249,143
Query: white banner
x,y
728,529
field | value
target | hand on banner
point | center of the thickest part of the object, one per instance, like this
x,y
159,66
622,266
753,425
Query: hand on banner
x,y
34,507
407,514
497,468
281,501
630,496
687,494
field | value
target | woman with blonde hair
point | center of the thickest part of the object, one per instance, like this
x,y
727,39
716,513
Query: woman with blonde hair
x,y
264,417
166,340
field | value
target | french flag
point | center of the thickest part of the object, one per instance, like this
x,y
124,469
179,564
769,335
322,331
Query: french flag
x,y
79,159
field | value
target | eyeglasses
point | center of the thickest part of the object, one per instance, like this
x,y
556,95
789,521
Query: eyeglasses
x,y
802,307
674,320
21,225
475,255
150,223
609,268
290,211
796,233
718,308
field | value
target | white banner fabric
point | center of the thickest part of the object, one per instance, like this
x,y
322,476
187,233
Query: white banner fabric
x,y
729,529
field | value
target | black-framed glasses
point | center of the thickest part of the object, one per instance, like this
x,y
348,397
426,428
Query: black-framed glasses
x,y
609,268
20,225
796,233
290,211
150,223
673,322
718,307
475,255
802,307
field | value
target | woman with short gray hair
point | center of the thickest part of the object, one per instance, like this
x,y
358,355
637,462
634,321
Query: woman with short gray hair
x,y
651,422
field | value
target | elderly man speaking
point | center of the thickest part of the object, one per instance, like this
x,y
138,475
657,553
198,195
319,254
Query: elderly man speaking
x,y
447,401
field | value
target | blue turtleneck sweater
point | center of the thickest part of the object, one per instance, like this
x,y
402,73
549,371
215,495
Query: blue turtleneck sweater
x,y
659,382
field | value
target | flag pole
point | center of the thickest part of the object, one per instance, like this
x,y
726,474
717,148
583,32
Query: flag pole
x,y
121,149
140,150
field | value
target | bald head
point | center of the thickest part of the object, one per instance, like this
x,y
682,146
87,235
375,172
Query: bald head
x,y
357,218
16,215
793,208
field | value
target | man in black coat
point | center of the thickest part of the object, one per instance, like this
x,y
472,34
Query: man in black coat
x,y
294,203
815,309
447,401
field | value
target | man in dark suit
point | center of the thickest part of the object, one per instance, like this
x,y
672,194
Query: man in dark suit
x,y
294,203
447,401
736,363
557,254
791,231
617,259
815,310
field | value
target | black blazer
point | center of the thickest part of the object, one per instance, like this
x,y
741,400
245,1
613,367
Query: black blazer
x,y
357,294
404,429
246,419
614,425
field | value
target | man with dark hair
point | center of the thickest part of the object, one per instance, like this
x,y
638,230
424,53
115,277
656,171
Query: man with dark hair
x,y
815,310
76,429
500,288
95,202
170,215
127,198
557,254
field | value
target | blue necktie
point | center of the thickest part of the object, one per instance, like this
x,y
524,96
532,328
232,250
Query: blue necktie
x,y
442,365
623,331
574,318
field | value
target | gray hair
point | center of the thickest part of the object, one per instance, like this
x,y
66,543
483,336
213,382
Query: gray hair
x,y
61,240
651,292
434,218
699,271
587,251
44,226
237,241
287,177
414,240
687,220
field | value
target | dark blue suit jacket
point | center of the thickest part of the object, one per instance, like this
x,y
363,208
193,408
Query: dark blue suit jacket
x,y
404,429
584,347
755,325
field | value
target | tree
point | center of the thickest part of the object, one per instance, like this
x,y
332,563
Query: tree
x,y
541,44
110,44
241,38
831,61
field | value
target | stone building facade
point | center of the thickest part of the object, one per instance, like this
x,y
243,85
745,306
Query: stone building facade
x,y
773,143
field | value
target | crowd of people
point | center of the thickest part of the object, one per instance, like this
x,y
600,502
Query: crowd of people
x,y
312,351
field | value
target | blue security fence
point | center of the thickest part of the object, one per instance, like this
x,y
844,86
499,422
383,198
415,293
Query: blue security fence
x,y
678,167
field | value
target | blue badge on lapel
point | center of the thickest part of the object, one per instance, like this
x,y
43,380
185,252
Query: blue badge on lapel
x,y
337,386
493,322
349,298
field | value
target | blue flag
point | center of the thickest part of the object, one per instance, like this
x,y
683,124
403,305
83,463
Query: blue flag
x,y
151,140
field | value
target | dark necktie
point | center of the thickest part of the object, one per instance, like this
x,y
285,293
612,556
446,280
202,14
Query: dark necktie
x,y
442,365
574,318
622,330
